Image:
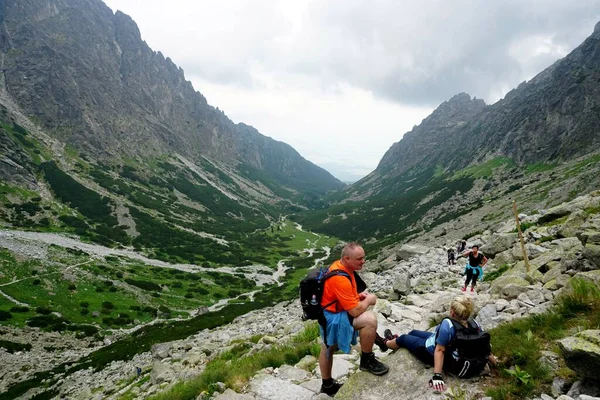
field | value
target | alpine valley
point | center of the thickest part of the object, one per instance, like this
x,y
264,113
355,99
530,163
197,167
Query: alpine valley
x,y
144,235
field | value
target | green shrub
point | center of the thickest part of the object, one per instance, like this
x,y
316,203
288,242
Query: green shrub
x,y
43,310
5,315
490,276
19,309
144,284
164,309
84,304
13,347
36,282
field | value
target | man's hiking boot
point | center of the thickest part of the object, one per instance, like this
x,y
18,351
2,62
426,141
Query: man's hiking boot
x,y
369,363
332,389
380,342
389,335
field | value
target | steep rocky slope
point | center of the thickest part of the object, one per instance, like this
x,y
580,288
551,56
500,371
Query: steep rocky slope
x,y
466,153
88,79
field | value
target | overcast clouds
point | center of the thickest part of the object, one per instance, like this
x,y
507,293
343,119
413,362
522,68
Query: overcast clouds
x,y
342,80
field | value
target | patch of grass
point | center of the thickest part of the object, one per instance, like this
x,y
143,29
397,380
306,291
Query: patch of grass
x,y
592,210
235,371
490,276
539,167
484,170
471,234
524,226
520,343
580,166
557,221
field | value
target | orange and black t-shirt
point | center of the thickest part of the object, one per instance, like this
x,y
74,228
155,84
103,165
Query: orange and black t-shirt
x,y
340,288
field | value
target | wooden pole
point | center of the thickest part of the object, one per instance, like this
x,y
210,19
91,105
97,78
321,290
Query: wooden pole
x,y
521,236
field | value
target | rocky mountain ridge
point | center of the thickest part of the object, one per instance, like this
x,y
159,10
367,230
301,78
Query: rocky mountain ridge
x,y
467,153
85,76
551,118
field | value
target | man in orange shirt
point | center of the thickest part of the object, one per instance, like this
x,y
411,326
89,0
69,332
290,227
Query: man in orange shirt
x,y
346,313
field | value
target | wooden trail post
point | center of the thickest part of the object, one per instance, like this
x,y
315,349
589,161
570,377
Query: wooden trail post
x,y
521,236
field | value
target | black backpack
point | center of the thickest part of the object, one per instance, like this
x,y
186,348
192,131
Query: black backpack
x,y
471,345
311,293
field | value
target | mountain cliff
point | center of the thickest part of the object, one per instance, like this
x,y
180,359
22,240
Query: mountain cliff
x,y
467,151
104,137
85,76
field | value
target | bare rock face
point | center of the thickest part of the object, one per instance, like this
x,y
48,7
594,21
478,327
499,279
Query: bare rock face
x,y
88,79
582,353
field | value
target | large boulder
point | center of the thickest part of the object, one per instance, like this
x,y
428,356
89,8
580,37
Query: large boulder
x,y
591,252
407,380
572,224
505,257
269,387
590,276
509,286
408,251
555,213
402,284
582,353
499,243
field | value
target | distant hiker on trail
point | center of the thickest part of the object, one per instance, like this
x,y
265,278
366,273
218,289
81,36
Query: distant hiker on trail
x,y
451,257
445,347
474,269
461,246
345,307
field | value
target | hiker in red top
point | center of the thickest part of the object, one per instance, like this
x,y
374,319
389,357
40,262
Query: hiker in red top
x,y
345,307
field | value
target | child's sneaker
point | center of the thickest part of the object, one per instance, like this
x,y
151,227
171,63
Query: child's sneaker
x,y
388,335
464,289
379,341
472,290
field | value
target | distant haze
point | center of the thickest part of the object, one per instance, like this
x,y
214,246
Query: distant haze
x,y
342,80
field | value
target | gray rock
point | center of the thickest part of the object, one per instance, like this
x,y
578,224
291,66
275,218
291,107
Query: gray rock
x,y
555,213
267,387
231,395
292,374
572,224
582,352
408,251
402,285
558,387
499,243
486,316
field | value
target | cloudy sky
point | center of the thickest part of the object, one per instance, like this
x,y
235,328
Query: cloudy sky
x,y
342,80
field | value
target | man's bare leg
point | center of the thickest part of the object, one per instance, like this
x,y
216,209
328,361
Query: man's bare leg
x,y
366,324
326,363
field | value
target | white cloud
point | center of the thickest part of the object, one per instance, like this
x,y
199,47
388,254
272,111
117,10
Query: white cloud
x,y
342,80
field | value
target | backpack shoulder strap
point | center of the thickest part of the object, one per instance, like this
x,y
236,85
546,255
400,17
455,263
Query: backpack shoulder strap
x,y
335,272
437,332
331,274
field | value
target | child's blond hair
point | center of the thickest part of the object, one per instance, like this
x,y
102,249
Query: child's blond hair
x,y
462,306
